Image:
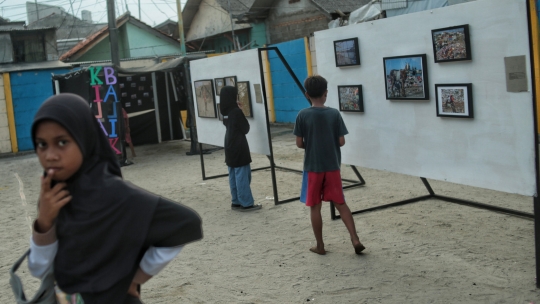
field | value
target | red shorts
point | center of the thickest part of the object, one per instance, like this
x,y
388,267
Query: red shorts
x,y
322,186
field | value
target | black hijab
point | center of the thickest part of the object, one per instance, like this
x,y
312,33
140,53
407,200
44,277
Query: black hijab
x,y
227,99
101,232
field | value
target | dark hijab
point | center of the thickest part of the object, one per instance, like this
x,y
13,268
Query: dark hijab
x,y
101,232
227,99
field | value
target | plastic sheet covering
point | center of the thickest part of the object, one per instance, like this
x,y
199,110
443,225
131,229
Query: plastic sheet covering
x,y
368,12
416,6
334,23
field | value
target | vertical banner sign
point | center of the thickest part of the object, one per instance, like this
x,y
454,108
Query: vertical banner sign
x,y
106,106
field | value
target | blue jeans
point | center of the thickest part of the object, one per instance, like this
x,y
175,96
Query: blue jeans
x,y
239,181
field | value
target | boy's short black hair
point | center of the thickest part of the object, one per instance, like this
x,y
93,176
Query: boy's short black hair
x,y
315,86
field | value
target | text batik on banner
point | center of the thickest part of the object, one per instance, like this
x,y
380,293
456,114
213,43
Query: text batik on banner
x,y
103,81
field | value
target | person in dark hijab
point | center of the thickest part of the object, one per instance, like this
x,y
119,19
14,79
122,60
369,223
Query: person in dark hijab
x,y
237,155
103,236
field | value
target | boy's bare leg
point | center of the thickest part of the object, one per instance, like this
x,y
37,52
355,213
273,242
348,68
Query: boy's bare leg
x,y
317,224
346,217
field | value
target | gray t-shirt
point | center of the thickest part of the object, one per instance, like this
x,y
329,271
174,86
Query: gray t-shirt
x,y
321,129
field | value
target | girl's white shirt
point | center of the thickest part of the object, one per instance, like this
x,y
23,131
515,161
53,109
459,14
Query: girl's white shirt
x,y
153,261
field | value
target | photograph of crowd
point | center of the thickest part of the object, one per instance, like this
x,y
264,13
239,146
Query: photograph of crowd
x,y
204,95
454,100
347,52
350,98
406,77
451,43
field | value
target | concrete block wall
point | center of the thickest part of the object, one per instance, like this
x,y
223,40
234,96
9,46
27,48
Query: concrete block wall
x,y
288,21
5,143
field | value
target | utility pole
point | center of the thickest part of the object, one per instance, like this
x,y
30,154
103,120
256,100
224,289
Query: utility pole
x,y
113,34
181,29
232,26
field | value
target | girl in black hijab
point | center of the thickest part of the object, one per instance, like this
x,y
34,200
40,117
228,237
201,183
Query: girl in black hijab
x,y
237,155
103,235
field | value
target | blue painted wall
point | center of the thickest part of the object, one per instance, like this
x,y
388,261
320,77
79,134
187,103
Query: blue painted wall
x,y
288,99
29,90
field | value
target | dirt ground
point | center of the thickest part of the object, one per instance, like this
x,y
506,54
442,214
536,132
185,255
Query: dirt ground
x,y
425,252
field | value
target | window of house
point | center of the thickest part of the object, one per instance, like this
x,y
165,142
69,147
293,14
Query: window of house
x,y
28,47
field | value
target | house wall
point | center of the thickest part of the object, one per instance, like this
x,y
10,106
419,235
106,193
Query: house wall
x,y
100,51
43,9
5,143
143,43
288,98
292,21
29,90
222,44
210,20
258,33
493,150
51,51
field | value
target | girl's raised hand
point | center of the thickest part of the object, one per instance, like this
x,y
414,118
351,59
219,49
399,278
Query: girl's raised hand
x,y
51,200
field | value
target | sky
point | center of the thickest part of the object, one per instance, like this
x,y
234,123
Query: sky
x,y
399,63
153,12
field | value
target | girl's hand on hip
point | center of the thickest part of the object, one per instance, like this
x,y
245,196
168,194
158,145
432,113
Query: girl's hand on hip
x,y
133,290
51,200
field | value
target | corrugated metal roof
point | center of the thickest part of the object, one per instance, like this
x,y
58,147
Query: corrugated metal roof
x,y
345,6
191,54
29,66
237,6
27,29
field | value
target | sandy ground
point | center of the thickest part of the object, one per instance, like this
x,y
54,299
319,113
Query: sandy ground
x,y
425,252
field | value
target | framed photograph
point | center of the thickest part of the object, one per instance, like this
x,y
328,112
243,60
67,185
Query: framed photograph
x,y
220,116
230,81
347,52
350,98
220,83
451,43
204,96
244,98
406,77
454,100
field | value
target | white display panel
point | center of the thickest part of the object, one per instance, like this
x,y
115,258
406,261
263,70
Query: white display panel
x,y
493,150
245,66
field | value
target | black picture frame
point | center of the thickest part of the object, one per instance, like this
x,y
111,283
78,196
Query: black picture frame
x,y
451,43
230,81
205,98
406,77
244,98
350,98
220,83
347,52
454,100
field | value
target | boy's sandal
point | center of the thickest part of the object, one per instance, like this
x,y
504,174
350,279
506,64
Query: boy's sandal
x,y
236,207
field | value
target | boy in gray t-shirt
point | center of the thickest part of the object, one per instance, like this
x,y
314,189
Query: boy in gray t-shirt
x,y
321,132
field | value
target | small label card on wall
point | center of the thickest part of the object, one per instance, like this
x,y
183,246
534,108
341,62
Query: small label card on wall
x,y
258,93
516,74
